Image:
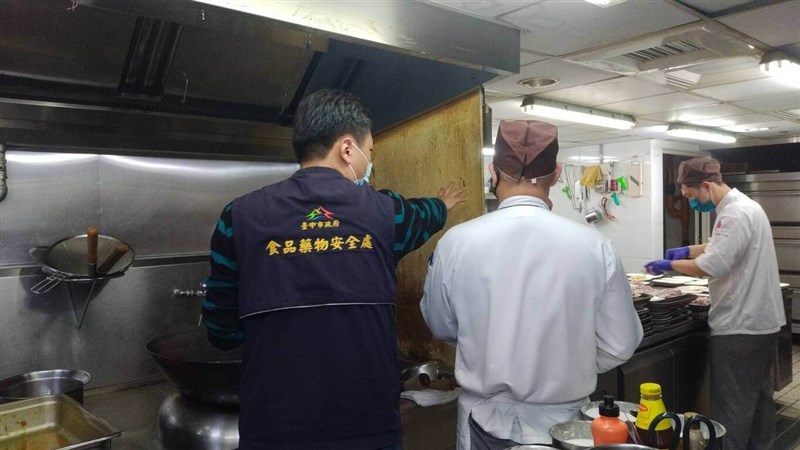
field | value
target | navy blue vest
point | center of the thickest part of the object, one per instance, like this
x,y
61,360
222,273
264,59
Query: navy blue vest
x,y
314,239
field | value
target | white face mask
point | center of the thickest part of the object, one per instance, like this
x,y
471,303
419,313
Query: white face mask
x,y
365,179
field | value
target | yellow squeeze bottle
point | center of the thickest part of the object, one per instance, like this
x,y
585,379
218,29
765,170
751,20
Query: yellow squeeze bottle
x,y
650,406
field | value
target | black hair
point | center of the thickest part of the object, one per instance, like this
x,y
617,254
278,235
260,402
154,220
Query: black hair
x,y
323,117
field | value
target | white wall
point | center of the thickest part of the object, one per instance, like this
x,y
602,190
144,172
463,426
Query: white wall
x,y
638,229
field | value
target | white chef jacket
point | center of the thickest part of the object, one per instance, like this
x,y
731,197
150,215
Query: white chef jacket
x,y
538,305
744,284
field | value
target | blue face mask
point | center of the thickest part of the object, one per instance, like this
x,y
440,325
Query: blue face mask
x,y
703,207
363,181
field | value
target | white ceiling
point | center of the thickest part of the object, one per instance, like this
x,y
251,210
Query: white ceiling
x,y
731,91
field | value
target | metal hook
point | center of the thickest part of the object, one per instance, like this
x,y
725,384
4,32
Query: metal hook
x,y
74,5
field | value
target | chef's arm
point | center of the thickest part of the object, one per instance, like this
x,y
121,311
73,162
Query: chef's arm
x,y
689,266
696,250
617,326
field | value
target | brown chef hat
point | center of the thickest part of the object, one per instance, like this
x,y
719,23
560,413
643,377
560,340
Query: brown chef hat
x,y
697,170
526,148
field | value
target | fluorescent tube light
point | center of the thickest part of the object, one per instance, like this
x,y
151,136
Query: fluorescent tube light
x,y
573,113
702,134
782,67
605,3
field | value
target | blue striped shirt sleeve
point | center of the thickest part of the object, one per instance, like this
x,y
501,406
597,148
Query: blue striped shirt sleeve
x,y
416,220
221,306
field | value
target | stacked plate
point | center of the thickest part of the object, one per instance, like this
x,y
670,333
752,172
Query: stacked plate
x,y
698,308
670,312
640,304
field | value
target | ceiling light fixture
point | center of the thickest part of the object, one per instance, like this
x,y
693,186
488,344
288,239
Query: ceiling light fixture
x,y
745,128
488,145
781,66
699,133
538,82
573,113
605,3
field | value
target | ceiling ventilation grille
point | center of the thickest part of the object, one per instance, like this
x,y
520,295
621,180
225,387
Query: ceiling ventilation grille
x,y
663,51
677,47
681,78
786,115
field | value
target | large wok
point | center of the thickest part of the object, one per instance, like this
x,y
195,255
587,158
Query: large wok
x,y
197,369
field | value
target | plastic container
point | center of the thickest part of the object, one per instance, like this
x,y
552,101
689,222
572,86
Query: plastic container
x,y
650,406
607,428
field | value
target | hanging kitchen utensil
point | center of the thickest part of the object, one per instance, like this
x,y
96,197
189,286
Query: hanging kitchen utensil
x,y
75,259
91,251
67,260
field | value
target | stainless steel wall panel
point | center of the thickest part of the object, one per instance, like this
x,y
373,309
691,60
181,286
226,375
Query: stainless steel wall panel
x,y
164,206
38,332
50,196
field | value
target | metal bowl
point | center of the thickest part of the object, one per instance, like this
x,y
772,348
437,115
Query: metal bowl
x,y
43,383
531,447
575,435
623,447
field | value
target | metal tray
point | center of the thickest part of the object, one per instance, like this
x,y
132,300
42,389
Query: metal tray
x,y
52,422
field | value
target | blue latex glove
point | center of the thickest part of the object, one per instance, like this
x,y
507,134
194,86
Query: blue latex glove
x,y
658,266
677,253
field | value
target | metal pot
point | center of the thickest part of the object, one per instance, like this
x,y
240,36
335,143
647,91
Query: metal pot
x,y
575,435
197,369
531,447
715,442
418,377
43,383
186,424
623,447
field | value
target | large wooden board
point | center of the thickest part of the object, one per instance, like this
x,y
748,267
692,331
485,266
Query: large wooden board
x,y
415,159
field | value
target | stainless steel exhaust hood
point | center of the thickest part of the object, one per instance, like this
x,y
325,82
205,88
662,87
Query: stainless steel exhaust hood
x,y
223,78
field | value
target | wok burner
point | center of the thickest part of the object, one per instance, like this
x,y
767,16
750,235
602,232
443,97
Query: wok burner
x,y
184,423
204,415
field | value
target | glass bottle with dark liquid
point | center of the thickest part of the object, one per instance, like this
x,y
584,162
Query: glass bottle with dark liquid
x,y
650,406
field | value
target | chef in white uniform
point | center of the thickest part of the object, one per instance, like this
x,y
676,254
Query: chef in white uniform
x,y
746,303
536,304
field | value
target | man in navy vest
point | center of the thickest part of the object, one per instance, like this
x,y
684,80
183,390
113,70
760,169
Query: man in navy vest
x,y
303,274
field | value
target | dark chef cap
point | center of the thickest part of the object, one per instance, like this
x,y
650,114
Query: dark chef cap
x,y
697,170
526,148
